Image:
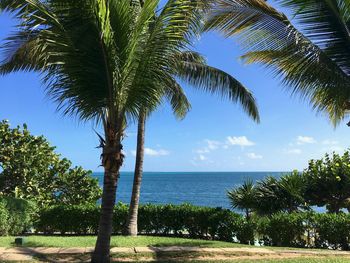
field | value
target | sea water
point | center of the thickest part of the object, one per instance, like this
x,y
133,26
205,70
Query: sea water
x,y
197,188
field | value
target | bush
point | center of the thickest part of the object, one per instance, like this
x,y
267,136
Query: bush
x,y
31,169
77,219
21,214
196,222
282,229
333,230
16,215
4,215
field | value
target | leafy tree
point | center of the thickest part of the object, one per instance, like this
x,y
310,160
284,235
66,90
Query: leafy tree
x,y
328,182
314,61
100,62
244,197
30,169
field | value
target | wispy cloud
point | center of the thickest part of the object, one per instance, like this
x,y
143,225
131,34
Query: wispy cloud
x,y
153,152
305,140
330,142
210,145
201,157
294,151
254,156
239,141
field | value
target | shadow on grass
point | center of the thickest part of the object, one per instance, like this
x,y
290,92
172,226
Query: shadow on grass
x,y
52,258
196,243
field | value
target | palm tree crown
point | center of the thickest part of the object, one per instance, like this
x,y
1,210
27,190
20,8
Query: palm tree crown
x,y
314,61
108,60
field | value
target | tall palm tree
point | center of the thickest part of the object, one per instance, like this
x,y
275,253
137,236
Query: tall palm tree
x,y
244,197
191,67
99,61
314,61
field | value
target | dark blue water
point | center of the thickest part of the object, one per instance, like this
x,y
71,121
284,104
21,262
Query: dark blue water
x,y
199,188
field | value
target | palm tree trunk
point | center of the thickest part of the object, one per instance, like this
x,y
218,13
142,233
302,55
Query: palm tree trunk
x,y
131,226
112,159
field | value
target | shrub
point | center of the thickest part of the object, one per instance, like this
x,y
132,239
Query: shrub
x,y
21,214
282,229
31,169
197,222
77,219
16,215
333,230
4,215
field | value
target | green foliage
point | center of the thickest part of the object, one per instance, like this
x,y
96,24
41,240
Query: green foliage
x,y
297,229
16,215
314,64
282,229
333,230
30,169
21,214
328,182
4,215
197,222
244,197
280,194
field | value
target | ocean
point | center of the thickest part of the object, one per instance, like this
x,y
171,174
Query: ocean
x,y
197,188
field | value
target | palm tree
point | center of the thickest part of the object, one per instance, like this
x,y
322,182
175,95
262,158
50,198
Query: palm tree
x,y
192,68
281,194
244,197
314,62
102,60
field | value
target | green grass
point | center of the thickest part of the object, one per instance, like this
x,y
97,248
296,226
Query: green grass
x,y
117,241
297,260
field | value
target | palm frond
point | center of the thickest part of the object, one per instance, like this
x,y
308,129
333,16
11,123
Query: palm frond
x,y
325,23
218,82
270,38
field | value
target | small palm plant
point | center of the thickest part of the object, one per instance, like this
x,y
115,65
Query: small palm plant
x,y
244,197
314,61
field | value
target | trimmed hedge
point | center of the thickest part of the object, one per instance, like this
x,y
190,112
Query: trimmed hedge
x,y
182,220
282,229
307,229
16,215
333,230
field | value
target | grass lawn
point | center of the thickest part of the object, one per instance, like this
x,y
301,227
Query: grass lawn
x,y
117,241
298,260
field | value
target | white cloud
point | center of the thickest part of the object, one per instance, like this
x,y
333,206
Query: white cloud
x,y
254,156
293,151
210,146
152,152
240,141
213,145
330,142
204,150
305,139
202,157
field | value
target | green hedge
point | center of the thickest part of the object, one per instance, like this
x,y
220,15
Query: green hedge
x,y
281,229
333,230
16,216
189,220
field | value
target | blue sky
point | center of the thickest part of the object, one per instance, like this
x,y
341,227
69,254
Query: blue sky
x,y
215,136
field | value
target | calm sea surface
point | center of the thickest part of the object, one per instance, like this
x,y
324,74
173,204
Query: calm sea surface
x,y
199,188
